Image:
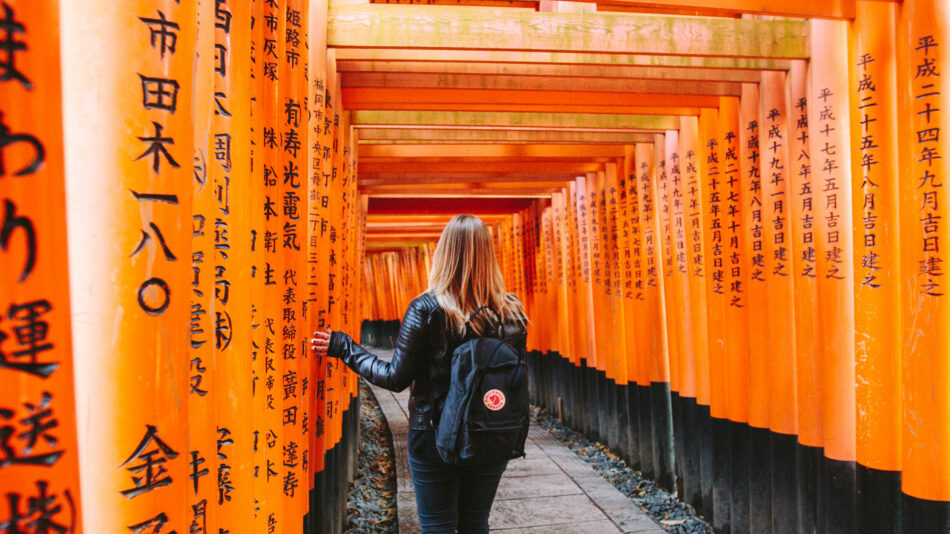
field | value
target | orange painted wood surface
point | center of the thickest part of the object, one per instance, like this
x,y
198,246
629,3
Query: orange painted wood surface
x,y
39,462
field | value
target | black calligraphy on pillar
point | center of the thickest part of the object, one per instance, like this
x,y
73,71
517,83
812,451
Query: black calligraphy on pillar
x,y
776,141
39,513
9,139
734,214
757,259
152,454
32,429
805,192
866,103
926,90
30,334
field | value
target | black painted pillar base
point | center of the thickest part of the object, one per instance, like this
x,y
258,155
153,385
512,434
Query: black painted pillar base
x,y
760,489
663,435
879,501
809,467
647,436
704,424
784,479
921,516
722,474
740,509
838,491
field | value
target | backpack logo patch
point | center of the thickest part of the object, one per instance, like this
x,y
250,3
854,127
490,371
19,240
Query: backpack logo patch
x,y
494,400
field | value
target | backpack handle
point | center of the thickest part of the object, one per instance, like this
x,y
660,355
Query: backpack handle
x,y
498,324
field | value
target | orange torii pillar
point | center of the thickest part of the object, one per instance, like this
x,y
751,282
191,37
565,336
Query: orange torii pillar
x,y
877,312
783,422
203,370
730,404
658,353
230,461
748,374
318,257
128,164
831,170
922,39
39,462
678,338
630,264
804,232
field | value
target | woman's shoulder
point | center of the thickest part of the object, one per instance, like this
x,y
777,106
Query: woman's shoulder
x,y
425,302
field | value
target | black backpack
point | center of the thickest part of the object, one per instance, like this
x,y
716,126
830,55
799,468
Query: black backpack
x,y
486,412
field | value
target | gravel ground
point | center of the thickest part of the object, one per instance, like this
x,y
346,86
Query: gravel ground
x,y
371,500
672,514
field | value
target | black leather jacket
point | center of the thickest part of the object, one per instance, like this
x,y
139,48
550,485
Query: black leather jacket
x,y
422,358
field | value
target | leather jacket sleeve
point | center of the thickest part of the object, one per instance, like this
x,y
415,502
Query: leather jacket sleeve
x,y
401,371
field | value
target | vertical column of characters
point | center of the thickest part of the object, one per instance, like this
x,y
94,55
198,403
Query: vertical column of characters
x,y
617,335
804,257
316,270
202,366
127,150
661,415
600,279
39,462
715,239
231,180
529,260
695,171
294,376
733,377
551,293
334,367
877,320
684,178
748,374
572,273
923,76
783,408
665,248
672,228
631,265
755,232
735,382
581,246
614,212
254,235
773,148
272,58
704,172
830,148
561,257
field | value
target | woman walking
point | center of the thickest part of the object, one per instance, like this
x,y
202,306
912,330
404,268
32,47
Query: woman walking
x,y
464,278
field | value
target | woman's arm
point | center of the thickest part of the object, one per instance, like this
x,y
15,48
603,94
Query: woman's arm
x,y
395,375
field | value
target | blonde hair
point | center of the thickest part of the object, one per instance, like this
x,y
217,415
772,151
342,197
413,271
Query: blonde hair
x,y
465,276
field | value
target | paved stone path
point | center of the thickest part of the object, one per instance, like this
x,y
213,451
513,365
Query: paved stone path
x,y
551,490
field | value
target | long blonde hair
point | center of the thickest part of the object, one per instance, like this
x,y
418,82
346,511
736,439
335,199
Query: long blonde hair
x,y
465,276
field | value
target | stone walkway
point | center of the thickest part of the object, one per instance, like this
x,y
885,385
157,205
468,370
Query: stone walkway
x,y
551,490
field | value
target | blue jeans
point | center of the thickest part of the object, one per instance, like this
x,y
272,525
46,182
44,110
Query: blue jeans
x,y
454,498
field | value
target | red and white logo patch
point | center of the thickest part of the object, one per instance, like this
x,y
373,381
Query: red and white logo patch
x,y
494,400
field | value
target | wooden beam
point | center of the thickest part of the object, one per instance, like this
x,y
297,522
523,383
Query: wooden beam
x,y
384,26
412,135
437,167
463,176
833,9
449,206
365,98
636,72
415,192
452,179
366,153
533,83
462,187
510,119
560,58
532,108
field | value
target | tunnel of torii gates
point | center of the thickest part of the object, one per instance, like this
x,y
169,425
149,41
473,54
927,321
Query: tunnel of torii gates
x,y
725,219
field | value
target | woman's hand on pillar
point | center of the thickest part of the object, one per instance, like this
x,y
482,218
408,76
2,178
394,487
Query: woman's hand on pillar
x,y
320,343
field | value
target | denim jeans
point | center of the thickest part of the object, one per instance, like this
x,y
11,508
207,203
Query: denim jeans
x,y
453,498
